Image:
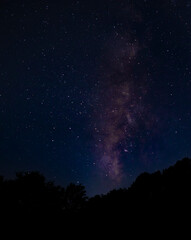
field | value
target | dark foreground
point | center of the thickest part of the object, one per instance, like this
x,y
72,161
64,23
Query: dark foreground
x,y
154,203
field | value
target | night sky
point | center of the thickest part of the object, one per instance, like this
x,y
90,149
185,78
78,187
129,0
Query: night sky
x,y
94,92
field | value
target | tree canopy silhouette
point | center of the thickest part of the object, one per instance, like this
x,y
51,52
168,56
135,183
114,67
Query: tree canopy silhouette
x,y
166,193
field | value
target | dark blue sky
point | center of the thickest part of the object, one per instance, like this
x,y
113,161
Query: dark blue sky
x,y
94,92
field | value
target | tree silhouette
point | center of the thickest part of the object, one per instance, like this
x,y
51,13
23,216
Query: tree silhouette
x,y
151,196
74,197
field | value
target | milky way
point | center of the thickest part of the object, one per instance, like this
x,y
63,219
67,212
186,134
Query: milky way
x,y
122,110
119,111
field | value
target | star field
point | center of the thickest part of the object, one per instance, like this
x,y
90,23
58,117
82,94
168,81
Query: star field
x,y
94,92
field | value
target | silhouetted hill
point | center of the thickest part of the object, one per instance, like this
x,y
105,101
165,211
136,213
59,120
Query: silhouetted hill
x,y
165,194
162,195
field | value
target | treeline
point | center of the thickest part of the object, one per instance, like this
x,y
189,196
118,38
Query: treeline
x,y
166,193
29,194
160,193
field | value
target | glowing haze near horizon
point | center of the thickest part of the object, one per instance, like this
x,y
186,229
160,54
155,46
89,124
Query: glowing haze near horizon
x,y
94,92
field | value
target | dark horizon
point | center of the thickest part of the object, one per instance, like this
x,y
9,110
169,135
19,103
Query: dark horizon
x,y
125,187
